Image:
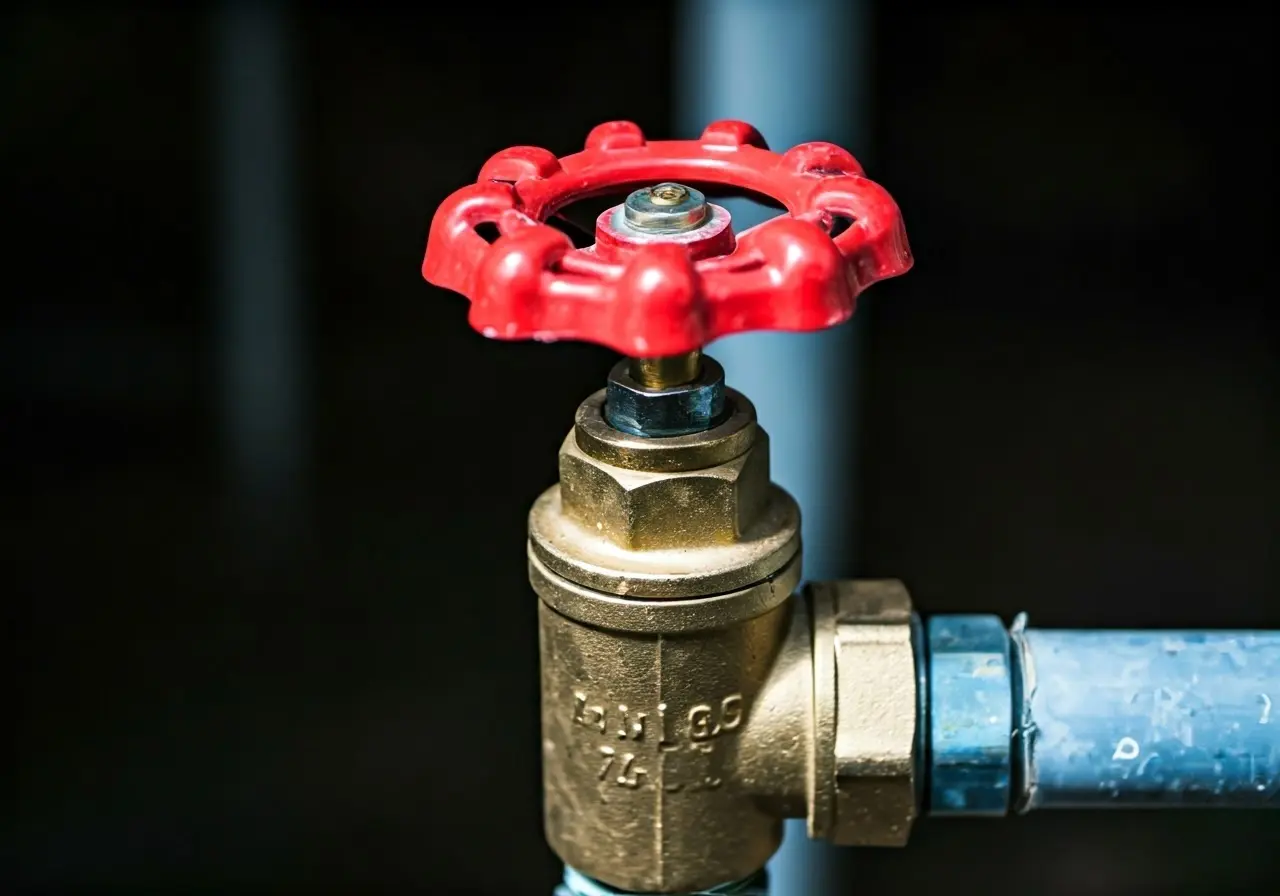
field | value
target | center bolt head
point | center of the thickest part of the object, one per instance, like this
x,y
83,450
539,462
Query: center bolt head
x,y
665,208
668,194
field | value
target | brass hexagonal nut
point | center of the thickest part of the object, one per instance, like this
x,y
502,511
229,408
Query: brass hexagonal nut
x,y
640,510
872,739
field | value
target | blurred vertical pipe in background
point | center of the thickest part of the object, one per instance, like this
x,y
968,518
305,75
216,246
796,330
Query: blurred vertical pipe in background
x,y
261,392
798,71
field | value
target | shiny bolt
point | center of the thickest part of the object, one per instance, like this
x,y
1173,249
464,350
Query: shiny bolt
x,y
665,208
668,194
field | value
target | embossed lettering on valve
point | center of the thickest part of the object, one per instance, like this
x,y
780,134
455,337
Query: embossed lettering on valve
x,y
668,747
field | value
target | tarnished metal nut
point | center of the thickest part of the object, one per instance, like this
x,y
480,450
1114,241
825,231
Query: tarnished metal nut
x,y
638,510
867,745
970,716
691,407
728,439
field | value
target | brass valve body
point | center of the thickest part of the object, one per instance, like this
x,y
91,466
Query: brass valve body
x,y
683,714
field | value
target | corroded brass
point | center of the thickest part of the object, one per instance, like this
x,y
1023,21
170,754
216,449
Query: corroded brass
x,y
690,701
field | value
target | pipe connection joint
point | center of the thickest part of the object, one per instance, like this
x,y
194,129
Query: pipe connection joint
x,y
690,700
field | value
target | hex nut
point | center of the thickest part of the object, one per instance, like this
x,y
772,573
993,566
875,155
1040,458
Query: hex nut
x,y
873,788
639,510
680,410
970,716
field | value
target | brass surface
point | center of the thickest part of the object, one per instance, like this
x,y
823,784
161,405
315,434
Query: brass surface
x,y
668,194
864,654
717,445
820,780
642,739
683,534
775,755
690,701
662,616
640,511
586,557
667,371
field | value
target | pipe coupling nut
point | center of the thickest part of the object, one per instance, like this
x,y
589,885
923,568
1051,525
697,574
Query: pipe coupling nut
x,y
865,787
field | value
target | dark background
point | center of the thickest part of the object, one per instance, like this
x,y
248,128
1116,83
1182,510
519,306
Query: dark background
x,y
1071,408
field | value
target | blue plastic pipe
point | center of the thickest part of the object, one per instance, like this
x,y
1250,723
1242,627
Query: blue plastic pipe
x,y
1032,719
1159,719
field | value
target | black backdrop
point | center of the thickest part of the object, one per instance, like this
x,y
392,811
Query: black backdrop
x,y
1070,408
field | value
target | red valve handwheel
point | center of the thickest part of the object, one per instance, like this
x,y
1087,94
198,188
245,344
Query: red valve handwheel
x,y
657,298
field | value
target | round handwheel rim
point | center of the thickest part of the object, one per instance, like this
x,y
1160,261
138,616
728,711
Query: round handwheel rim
x,y
788,273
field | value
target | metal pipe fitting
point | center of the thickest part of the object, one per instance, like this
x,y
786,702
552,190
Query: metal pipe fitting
x,y
970,715
691,702
664,567
866,742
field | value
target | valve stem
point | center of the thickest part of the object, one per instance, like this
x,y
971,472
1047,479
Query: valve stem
x,y
666,372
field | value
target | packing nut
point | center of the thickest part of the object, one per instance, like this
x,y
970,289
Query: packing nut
x,y
690,407
688,516
640,510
